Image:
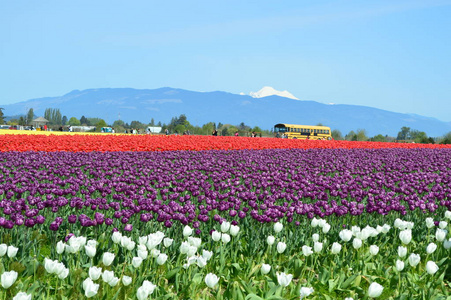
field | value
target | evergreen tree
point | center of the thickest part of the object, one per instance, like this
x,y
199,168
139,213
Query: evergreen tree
x,y
2,121
64,120
30,116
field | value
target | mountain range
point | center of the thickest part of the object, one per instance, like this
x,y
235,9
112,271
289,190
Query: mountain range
x,y
264,109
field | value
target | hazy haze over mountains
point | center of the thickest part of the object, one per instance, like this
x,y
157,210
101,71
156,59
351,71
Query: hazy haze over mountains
x,y
264,109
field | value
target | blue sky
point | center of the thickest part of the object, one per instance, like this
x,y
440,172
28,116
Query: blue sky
x,y
393,55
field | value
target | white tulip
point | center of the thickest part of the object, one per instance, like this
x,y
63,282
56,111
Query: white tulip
x,y
107,276
405,236
116,237
375,290
431,267
216,235
431,248
357,243
143,253
440,235
167,242
270,240
62,275
443,224
306,250
149,286
184,247
113,282
225,238
265,269
234,230
22,296
90,251
108,258
211,280
8,278
317,247
94,273
12,251
90,287
187,231
207,254
142,240
399,265
447,244
374,250
60,246
137,261
191,251
193,241
225,226
161,259
430,222
201,261
448,214
281,246
3,249
142,293
314,222
326,228
345,235
284,279
414,259
386,228
126,280
305,291
336,248
402,251
315,237
278,227
50,265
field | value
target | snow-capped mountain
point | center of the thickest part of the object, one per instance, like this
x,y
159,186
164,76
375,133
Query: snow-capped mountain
x,y
269,91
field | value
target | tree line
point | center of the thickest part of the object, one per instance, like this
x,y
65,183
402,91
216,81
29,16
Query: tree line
x,y
181,125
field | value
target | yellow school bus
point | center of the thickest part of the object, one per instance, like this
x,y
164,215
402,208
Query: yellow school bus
x,y
291,131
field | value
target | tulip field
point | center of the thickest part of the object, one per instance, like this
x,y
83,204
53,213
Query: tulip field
x,y
203,217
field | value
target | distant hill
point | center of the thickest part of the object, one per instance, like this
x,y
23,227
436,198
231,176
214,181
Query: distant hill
x,y
201,107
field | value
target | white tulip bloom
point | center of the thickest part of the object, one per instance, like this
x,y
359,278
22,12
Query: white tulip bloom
x,y
108,258
142,240
447,244
357,243
225,226
234,230
306,291
22,296
336,248
270,240
207,254
126,280
284,279
443,224
278,227
281,246
90,287
326,228
440,235
448,214
184,247
137,261
225,238
405,236
402,251
211,280
167,242
162,258
399,265
375,290
201,261
345,235
94,273
187,231
317,247
374,250
431,248
216,236
8,278
193,241
60,246
314,222
431,267
414,259
430,222
265,269
90,251
306,250
12,251
116,237
315,237
107,276
3,249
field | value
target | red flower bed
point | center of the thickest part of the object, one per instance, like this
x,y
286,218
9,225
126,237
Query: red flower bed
x,y
103,143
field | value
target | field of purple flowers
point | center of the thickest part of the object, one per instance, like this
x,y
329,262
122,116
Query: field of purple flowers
x,y
59,196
